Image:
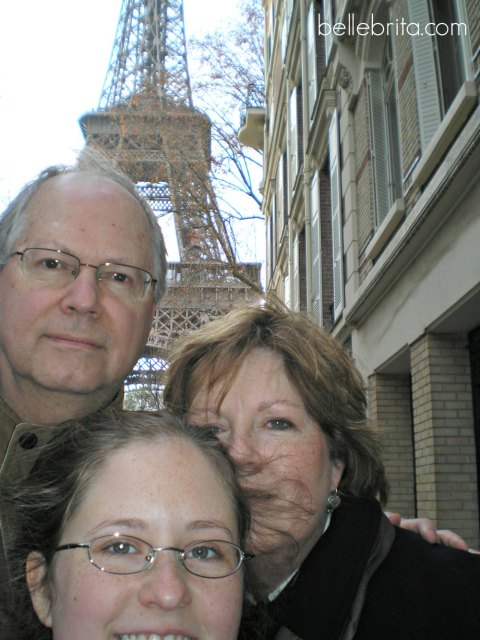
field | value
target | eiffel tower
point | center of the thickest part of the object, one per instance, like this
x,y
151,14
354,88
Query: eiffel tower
x,y
147,122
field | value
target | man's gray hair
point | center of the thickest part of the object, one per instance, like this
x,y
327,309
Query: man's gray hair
x,y
14,219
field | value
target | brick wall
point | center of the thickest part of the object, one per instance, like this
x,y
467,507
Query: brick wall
x,y
390,409
326,247
444,433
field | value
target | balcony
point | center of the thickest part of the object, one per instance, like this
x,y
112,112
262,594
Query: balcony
x,y
253,119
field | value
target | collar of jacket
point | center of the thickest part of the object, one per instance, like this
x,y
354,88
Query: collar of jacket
x,y
328,593
20,442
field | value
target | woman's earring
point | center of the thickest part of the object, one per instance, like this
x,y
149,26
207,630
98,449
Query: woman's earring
x,y
333,501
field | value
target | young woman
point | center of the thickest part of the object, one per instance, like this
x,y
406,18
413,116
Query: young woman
x,y
130,527
290,407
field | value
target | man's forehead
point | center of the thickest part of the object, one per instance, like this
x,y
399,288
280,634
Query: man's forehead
x,y
76,184
70,210
85,193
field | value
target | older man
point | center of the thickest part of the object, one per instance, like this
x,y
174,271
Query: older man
x,y
82,265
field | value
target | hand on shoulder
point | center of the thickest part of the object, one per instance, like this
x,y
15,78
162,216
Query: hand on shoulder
x,y
426,528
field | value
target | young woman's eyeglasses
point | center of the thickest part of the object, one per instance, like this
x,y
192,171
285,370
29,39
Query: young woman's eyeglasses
x,y
125,555
58,268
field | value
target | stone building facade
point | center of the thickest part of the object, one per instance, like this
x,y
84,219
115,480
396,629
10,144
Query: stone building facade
x,y
371,135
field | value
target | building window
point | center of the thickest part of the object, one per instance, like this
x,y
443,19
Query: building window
x,y
287,18
327,18
394,159
295,303
302,270
286,289
272,238
289,10
299,274
336,216
293,138
279,188
311,58
440,60
270,27
300,124
271,114
282,194
269,252
316,254
283,37
448,52
384,135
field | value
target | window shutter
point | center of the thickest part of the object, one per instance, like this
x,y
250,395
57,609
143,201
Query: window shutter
x,y
269,37
316,261
395,155
293,138
286,284
289,11
327,18
426,81
296,273
311,60
378,143
280,200
283,37
269,252
337,248
287,19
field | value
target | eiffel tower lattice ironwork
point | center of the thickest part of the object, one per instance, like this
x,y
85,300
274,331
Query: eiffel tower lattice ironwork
x,y
147,122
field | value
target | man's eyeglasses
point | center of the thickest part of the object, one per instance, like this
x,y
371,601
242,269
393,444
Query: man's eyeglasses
x,y
124,555
58,268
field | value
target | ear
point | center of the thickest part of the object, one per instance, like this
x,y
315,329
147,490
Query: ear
x,y
36,569
338,468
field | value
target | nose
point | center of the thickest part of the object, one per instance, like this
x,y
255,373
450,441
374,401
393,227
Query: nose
x,y
82,294
242,447
165,584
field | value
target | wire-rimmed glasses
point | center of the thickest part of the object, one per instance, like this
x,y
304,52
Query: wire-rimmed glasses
x,y
125,555
59,268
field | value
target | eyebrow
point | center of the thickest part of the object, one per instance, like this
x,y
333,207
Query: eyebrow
x,y
209,524
141,525
116,260
130,523
266,404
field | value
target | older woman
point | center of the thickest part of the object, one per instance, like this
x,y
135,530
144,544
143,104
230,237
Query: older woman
x,y
130,527
290,407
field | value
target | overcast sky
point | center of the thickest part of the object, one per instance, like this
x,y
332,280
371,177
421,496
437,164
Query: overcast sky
x,y
54,56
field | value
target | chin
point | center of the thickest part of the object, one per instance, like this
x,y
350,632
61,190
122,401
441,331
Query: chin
x,y
83,385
